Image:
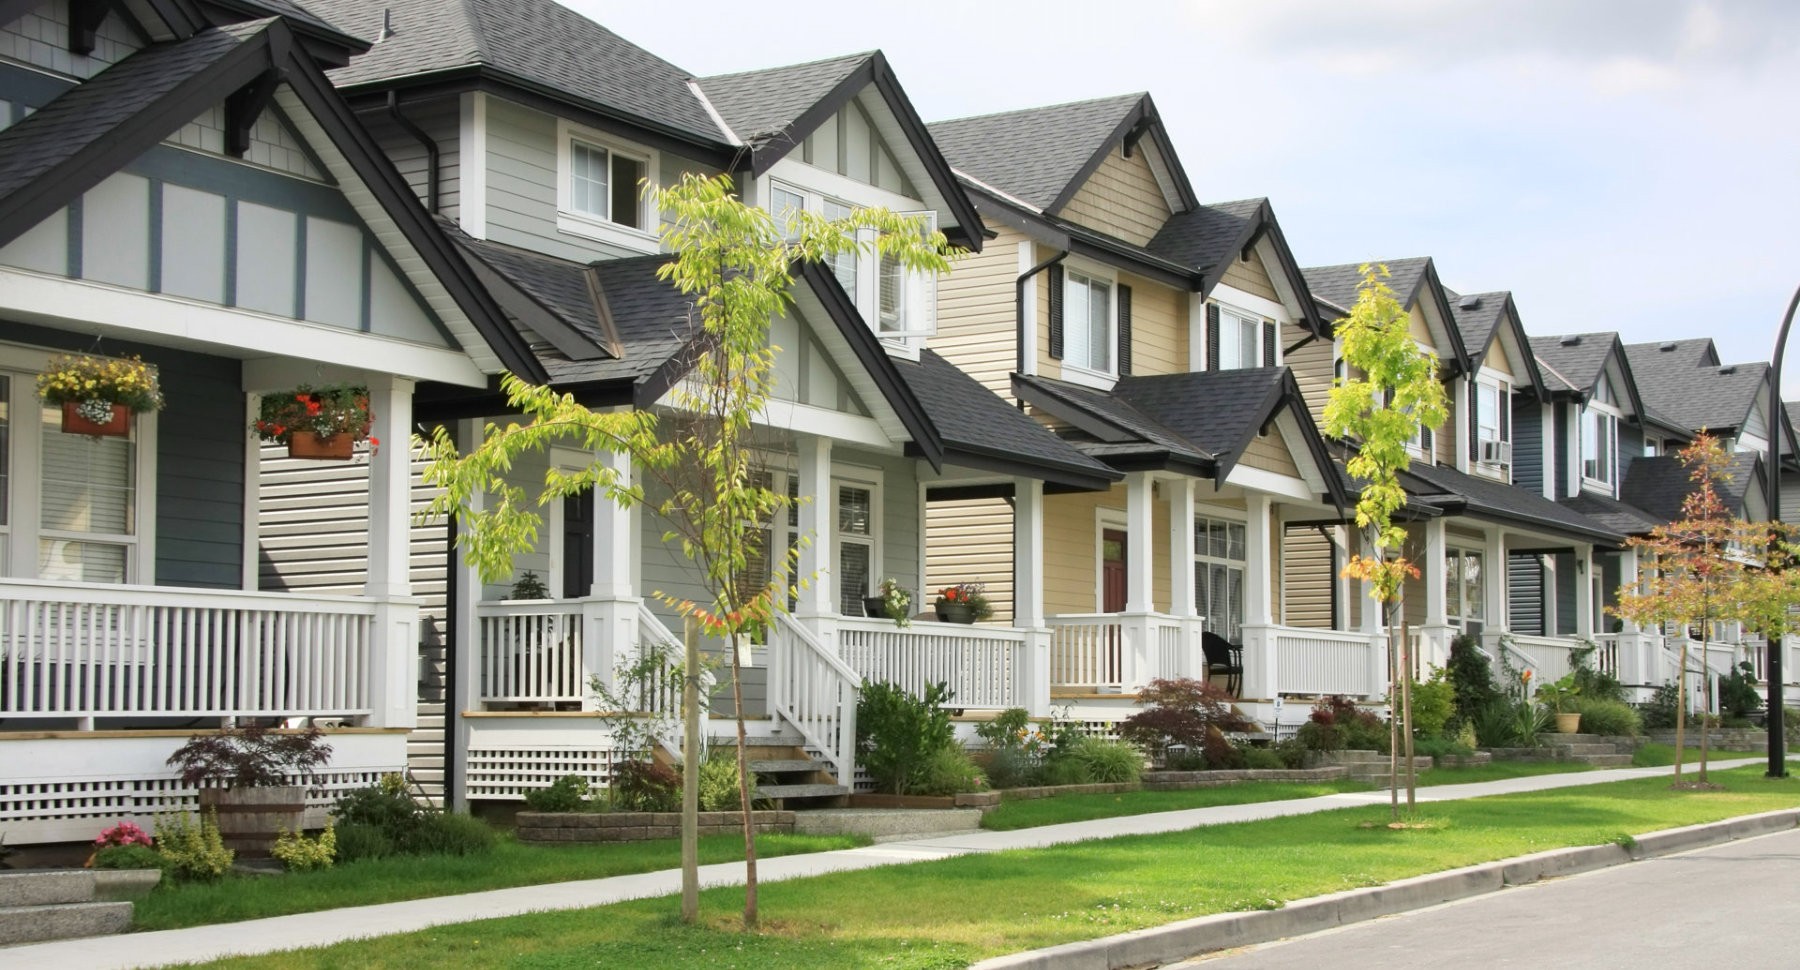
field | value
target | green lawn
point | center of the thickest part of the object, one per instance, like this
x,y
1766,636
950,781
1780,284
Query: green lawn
x,y
414,877
1080,808
1497,771
952,912
1657,755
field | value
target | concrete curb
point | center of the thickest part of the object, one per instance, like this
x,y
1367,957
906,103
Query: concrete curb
x,y
1190,938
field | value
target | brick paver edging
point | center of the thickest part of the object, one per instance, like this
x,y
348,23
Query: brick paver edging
x,y
590,827
1190,938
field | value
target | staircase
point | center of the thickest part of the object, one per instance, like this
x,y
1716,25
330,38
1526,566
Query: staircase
x,y
1371,767
425,753
786,774
1590,749
55,904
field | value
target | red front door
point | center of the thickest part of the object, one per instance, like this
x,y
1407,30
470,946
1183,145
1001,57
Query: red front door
x,y
1112,596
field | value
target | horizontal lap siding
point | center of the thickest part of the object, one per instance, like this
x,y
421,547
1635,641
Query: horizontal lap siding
x,y
441,120
1071,534
1158,327
1313,367
1269,453
1251,276
977,329
1121,199
1528,443
968,541
1306,557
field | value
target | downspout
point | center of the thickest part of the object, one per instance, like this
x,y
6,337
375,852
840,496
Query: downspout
x,y
1019,309
431,150
452,675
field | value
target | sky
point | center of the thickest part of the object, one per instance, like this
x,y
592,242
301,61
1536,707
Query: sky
x,y
1628,165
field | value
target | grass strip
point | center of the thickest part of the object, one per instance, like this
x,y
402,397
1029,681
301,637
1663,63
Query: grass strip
x,y
948,913
1081,808
372,881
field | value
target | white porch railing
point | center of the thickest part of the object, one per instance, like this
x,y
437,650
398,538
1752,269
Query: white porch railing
x,y
1548,658
1123,651
1606,657
531,652
814,690
1320,662
985,667
143,651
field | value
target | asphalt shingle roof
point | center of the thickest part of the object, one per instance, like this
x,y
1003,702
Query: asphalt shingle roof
x,y
1477,323
1618,516
88,113
292,11
760,104
1032,154
1218,410
559,286
1147,435
1482,497
533,41
1576,359
1208,236
1340,284
1694,395
1659,484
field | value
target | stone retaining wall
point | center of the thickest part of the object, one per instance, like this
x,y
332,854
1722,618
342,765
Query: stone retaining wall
x,y
591,827
1748,739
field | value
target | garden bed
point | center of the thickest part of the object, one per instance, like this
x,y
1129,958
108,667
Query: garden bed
x,y
591,827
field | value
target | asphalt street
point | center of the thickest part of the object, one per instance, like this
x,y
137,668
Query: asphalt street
x,y
1730,906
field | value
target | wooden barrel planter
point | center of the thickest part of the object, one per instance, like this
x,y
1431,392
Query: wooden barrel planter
x,y
250,819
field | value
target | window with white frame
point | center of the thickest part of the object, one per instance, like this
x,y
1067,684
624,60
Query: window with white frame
x,y
87,505
1599,444
855,538
600,189
844,266
1464,593
1240,339
1219,569
5,471
784,202
898,303
1493,424
1088,322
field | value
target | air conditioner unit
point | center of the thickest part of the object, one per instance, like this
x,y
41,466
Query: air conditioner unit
x,y
1590,469
1496,452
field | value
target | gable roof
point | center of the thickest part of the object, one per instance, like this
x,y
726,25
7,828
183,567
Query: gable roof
x,y
1573,365
330,45
97,127
1041,156
1658,484
1686,385
1209,238
771,111
537,45
1413,279
1457,492
1481,318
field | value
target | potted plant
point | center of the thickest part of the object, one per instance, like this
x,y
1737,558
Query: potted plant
x,y
254,779
99,395
963,603
1558,697
893,601
529,586
317,422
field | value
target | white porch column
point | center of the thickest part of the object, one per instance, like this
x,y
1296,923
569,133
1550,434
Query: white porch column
x,y
1181,545
1261,678
609,612
1584,591
1028,593
394,650
465,645
1140,549
818,601
1493,581
1436,634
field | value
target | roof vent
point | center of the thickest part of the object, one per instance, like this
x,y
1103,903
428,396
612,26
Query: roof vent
x,y
387,25
1468,303
1668,347
1728,369
1571,340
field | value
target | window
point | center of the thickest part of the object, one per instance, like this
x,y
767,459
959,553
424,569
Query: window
x,y
890,307
897,303
5,468
1493,425
1087,322
1219,550
855,547
1599,445
783,203
1463,590
87,528
605,184
1651,448
1240,340
844,266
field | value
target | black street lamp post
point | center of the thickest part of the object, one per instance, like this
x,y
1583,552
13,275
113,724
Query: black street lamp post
x,y
1776,720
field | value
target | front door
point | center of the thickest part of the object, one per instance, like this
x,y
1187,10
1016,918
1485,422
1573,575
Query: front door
x,y
578,545
1112,598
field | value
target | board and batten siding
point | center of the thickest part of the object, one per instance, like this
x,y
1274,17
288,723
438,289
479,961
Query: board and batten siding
x,y
970,541
1308,576
849,143
976,324
1121,199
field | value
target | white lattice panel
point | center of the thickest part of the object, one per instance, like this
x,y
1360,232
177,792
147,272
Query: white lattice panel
x,y
508,773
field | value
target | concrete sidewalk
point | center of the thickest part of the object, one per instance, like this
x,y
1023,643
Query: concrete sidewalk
x,y
333,926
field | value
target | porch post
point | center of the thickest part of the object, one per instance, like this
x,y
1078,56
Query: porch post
x,y
1181,578
465,643
394,646
1638,647
1584,591
609,612
1493,580
1261,678
1033,680
818,600
1435,635
1140,550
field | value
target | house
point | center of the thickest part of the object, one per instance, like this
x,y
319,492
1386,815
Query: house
x,y
189,187
532,153
1152,332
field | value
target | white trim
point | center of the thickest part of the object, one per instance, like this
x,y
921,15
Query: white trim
x,y
251,578
472,163
858,476
1106,518
1547,449
731,137
1249,304
995,192
1256,319
89,307
813,179
1196,333
807,419
1026,325
1082,373
1273,483
643,239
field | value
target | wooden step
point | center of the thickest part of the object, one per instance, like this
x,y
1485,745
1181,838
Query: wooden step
x,y
779,766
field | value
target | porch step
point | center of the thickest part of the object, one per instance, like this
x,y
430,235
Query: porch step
x,y
784,792
780,766
55,904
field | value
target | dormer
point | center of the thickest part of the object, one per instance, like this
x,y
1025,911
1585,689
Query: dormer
x,y
834,136
1504,371
1686,389
1596,421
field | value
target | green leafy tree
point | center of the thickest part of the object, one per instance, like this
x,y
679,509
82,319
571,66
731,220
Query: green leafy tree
x,y
737,267
1390,391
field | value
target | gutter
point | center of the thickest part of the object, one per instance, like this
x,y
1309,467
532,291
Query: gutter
x,y
431,150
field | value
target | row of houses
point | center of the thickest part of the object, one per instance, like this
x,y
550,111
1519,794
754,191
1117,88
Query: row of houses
x,y
1108,413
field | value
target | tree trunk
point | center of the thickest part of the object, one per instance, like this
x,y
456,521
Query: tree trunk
x,y
1387,616
1681,703
743,767
1705,697
1406,725
690,772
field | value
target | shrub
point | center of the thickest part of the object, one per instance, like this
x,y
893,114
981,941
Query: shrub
x,y
644,786
1614,718
1182,711
124,833
1066,770
1471,678
1108,762
251,757
1008,768
301,854
1433,704
897,734
566,794
719,782
1263,759
948,771
1438,746
1659,711
448,833
1337,723
132,856
1598,684
1010,729
1292,753
360,840
1497,724
383,820
192,849
385,805
1737,691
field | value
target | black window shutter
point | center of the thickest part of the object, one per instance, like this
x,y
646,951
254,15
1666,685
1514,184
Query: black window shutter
x,y
1212,336
1124,330
1268,344
1056,312
1505,414
1474,399
1427,442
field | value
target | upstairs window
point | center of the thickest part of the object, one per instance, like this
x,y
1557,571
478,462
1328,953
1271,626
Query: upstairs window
x,y
1493,425
600,190
898,304
1599,446
1088,322
1240,340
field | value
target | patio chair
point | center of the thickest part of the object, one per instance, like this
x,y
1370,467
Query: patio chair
x,y
1222,657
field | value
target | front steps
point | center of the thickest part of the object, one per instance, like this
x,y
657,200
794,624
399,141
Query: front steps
x,y
1591,749
785,774
425,754
55,904
1370,767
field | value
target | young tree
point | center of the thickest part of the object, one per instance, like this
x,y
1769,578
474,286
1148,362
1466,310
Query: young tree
x,y
1390,391
737,266
1700,571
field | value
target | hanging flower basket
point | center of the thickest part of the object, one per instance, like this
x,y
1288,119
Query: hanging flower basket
x,y
963,603
98,395
323,423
